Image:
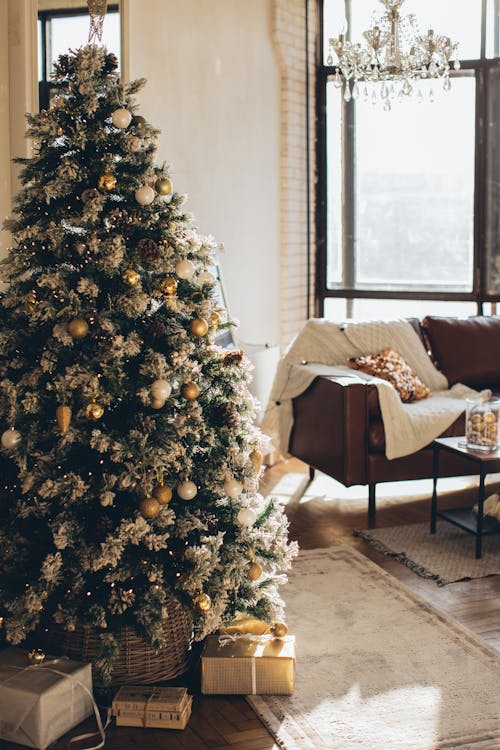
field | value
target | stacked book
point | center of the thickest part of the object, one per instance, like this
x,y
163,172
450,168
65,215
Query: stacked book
x,y
152,707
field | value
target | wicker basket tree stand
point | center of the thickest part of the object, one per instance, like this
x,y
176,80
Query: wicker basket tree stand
x,y
136,662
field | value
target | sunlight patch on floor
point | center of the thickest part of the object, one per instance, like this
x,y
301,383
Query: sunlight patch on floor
x,y
295,487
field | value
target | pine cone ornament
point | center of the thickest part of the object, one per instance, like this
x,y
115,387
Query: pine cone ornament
x,y
148,250
225,415
157,329
233,358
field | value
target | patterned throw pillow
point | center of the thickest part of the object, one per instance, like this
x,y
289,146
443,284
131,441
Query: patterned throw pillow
x,y
391,366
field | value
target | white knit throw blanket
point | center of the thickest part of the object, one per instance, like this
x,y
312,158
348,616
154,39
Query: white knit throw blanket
x,y
323,348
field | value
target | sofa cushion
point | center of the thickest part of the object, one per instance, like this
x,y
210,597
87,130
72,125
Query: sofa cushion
x,y
390,366
466,350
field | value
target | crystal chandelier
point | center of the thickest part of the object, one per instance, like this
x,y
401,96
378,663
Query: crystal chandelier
x,y
393,59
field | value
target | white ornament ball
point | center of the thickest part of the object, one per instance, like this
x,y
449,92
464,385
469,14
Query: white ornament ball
x,y
145,195
247,517
161,390
121,118
187,490
206,277
232,487
185,269
10,439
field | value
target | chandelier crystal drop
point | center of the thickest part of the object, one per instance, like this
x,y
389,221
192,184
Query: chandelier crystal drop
x,y
393,59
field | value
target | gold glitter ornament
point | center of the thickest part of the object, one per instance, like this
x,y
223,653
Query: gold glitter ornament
x,y
198,327
169,286
279,630
190,391
138,122
94,411
202,602
130,277
78,328
106,182
163,186
149,507
63,417
253,571
215,320
257,459
162,494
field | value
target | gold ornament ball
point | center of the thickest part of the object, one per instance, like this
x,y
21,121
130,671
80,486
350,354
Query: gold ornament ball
x,y
257,459
202,602
215,320
149,507
279,629
163,186
198,327
190,391
63,417
253,571
94,411
106,182
162,494
78,328
169,286
36,656
130,277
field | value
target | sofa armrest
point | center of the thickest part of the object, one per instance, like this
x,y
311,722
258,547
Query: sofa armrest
x,y
330,429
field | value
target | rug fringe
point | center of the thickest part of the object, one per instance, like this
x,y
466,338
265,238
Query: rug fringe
x,y
401,557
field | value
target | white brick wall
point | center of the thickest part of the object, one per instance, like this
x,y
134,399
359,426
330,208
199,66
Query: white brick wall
x,y
289,37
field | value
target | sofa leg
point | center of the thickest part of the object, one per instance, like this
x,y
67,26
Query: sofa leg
x,y
312,472
371,501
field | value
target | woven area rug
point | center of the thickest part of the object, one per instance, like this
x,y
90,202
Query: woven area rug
x,y
446,556
378,668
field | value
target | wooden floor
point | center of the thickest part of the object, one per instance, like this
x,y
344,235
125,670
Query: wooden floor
x,y
217,722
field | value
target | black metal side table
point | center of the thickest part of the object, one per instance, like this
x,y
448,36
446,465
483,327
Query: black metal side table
x,y
464,518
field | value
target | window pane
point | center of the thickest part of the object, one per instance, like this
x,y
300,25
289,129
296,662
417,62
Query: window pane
x,y
493,28
334,183
492,233
461,21
392,309
71,32
414,192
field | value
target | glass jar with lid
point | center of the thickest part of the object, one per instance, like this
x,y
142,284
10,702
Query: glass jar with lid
x,y
482,423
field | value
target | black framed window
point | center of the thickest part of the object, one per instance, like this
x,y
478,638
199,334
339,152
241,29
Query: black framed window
x,y
63,29
408,200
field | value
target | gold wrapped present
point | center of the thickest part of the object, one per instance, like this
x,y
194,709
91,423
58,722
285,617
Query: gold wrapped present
x,y
152,707
254,665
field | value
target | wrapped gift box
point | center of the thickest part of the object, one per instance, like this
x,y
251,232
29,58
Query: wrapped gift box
x,y
38,704
152,707
258,666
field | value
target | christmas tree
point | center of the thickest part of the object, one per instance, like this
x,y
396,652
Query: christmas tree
x,y
130,460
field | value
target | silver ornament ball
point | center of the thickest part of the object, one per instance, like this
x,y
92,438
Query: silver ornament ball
x,y
145,195
10,439
121,118
187,490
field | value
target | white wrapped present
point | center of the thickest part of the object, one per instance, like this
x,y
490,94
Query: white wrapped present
x,y
38,704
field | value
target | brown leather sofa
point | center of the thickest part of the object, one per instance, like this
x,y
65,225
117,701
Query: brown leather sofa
x,y
338,427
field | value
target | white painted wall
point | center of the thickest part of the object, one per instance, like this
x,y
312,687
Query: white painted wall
x,y
214,91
